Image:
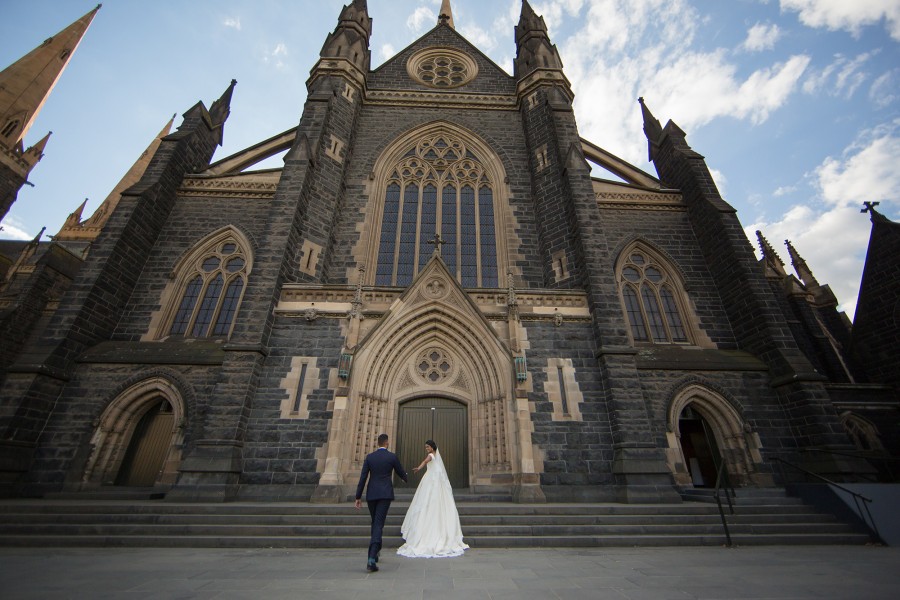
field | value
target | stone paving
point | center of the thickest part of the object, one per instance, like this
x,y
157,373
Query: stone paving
x,y
757,573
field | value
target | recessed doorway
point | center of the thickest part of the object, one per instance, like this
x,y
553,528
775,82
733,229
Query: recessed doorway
x,y
440,419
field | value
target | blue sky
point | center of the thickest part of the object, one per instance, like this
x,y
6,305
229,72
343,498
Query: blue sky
x,y
794,103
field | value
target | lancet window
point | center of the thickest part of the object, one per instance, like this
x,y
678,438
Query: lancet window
x,y
214,283
651,299
438,187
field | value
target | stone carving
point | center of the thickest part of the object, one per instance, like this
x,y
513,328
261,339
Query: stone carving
x,y
436,289
435,365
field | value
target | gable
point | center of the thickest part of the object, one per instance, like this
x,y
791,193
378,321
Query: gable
x,y
490,79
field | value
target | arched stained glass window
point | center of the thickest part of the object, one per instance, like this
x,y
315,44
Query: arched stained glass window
x,y
649,298
212,295
446,190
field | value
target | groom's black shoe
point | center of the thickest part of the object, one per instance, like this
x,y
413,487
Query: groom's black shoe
x,y
371,567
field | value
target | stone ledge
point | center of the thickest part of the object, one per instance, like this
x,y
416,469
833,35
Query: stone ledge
x,y
701,359
157,353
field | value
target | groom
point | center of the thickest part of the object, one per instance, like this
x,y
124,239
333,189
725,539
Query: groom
x,y
378,468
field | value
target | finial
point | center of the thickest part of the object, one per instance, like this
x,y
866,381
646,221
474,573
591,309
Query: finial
x,y
437,243
445,16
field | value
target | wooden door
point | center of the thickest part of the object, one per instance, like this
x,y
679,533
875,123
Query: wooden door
x,y
148,447
439,419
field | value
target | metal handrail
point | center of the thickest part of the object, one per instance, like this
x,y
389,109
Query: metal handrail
x,y
856,495
721,476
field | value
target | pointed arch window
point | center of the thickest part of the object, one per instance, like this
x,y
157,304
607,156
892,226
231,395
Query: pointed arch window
x,y
652,300
438,187
214,282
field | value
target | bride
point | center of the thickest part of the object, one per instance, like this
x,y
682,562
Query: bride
x,y
431,526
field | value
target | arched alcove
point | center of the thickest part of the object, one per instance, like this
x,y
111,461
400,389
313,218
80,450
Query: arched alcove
x,y
727,433
131,413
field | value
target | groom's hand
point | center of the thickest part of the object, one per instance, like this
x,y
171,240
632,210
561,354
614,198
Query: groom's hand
x,y
358,504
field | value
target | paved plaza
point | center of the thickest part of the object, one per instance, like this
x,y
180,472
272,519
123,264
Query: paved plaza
x,y
773,572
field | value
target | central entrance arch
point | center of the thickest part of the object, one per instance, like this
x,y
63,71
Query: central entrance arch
x,y
442,420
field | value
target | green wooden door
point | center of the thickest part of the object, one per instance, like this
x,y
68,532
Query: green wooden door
x,y
148,447
445,422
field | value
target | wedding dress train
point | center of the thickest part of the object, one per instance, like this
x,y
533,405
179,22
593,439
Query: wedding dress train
x,y
431,527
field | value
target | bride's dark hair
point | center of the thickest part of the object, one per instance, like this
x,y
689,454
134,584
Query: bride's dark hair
x,y
432,444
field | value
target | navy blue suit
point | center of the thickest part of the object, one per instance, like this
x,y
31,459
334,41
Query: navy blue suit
x,y
378,468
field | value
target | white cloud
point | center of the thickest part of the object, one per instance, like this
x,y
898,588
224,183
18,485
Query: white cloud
x,y
883,90
13,229
829,242
720,180
840,78
553,11
276,55
849,15
784,190
232,22
387,51
867,170
421,18
482,39
761,37
832,241
625,49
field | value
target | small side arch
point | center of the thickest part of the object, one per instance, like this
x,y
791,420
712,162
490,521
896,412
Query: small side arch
x,y
117,425
731,437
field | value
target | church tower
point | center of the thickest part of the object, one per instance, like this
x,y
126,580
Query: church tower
x,y
24,88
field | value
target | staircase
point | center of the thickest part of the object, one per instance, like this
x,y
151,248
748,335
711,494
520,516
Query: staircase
x,y
763,520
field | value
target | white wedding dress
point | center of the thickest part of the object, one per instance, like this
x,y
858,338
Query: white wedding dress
x,y
431,526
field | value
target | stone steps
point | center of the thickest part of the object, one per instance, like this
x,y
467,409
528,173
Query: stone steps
x,y
73,519
485,525
742,497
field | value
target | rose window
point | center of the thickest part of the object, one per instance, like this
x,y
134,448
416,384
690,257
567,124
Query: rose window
x,y
442,68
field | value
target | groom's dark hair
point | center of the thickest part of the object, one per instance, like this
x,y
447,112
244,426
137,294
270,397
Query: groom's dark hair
x,y
382,439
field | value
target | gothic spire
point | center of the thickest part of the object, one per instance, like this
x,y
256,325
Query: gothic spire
x,y
26,84
770,258
75,229
35,153
74,218
446,14
803,271
533,47
652,129
350,39
221,108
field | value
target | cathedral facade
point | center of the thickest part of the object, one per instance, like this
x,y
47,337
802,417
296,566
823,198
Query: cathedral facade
x,y
434,260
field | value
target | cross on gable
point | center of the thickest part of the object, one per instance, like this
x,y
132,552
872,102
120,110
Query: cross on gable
x,y
437,243
870,207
